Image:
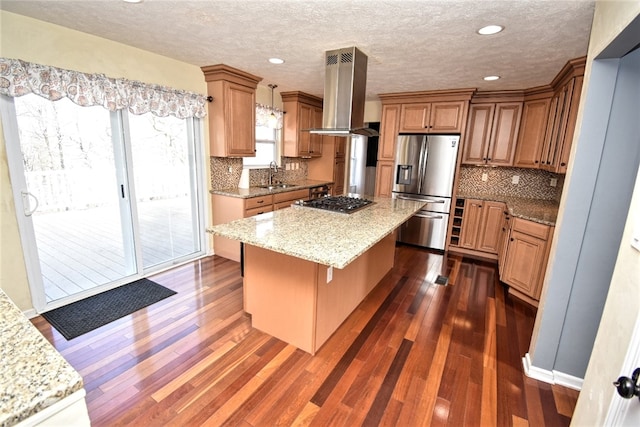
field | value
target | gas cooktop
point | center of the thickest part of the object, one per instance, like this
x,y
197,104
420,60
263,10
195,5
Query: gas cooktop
x,y
342,204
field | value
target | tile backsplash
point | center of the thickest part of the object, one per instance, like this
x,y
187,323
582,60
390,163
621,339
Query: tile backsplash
x,y
533,183
226,171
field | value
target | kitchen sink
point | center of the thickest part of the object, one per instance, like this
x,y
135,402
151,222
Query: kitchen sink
x,y
276,186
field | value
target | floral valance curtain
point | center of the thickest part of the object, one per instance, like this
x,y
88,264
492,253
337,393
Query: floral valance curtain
x,y
268,116
19,78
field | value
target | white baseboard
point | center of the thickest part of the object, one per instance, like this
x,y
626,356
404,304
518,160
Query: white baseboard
x,y
30,314
550,377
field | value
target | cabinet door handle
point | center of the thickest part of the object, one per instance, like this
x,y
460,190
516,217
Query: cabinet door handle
x,y
563,164
511,239
260,201
535,161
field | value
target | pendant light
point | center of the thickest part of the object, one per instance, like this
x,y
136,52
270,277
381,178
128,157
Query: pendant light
x,y
273,120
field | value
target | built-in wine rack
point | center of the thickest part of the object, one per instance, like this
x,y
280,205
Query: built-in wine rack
x,y
456,228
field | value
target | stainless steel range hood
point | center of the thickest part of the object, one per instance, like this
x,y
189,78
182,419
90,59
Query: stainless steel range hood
x,y
345,87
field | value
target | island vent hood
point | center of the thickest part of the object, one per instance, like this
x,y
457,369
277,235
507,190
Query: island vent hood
x,y
345,86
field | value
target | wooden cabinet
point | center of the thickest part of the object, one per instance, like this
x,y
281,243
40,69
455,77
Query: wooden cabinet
x,y
535,115
303,112
340,147
331,165
232,114
491,133
504,240
384,178
481,227
432,117
526,258
339,166
388,132
456,222
227,208
285,200
258,205
338,177
563,114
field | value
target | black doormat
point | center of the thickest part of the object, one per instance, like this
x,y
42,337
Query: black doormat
x,y
88,314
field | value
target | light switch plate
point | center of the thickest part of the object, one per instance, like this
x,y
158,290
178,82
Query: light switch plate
x,y
554,182
485,177
515,179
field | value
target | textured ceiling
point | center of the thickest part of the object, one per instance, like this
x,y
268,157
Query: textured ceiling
x,y
412,45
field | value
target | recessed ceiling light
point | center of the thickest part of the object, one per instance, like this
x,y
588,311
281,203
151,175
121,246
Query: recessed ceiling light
x,y
490,29
491,78
133,1
276,60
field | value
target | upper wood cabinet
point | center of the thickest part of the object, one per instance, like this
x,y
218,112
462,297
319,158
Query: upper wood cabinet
x,y
535,114
563,114
492,133
432,117
303,112
388,131
232,114
549,120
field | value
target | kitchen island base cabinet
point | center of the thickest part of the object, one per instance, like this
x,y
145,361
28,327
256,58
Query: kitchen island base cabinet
x,y
290,298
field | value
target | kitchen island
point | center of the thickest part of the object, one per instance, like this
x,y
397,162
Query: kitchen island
x,y
306,270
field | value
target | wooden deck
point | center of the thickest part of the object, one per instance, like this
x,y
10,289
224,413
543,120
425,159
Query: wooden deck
x,y
411,354
82,249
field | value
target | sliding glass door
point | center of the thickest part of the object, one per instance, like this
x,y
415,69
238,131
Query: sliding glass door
x,y
103,198
165,188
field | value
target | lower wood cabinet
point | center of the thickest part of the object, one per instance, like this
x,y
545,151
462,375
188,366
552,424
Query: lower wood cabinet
x,y
526,258
481,227
228,208
486,229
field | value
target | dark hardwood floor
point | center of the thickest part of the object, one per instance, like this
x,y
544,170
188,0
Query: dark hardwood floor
x,y
413,353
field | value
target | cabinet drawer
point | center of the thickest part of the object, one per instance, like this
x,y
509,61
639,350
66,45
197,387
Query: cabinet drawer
x,y
531,228
257,202
291,195
258,210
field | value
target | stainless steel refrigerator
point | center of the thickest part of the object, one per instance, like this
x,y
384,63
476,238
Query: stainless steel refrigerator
x,y
424,170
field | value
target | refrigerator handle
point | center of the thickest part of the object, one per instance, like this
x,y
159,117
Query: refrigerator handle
x,y
423,163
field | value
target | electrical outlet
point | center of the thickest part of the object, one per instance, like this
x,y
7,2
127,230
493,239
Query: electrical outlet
x,y
329,274
485,177
554,182
515,179
230,169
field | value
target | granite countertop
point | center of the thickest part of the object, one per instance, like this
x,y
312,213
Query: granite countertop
x,y
328,238
246,193
536,210
33,375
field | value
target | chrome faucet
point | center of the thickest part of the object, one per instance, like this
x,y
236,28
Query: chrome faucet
x,y
273,168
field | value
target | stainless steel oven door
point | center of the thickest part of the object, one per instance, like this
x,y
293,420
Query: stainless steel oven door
x,y
426,229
